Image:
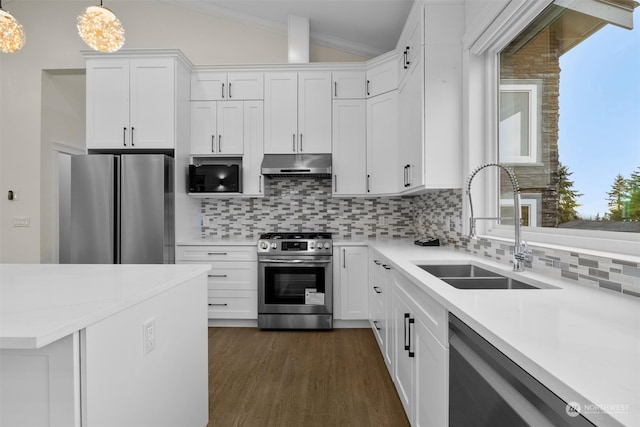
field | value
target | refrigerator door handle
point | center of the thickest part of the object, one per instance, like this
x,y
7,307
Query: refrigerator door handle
x,y
117,184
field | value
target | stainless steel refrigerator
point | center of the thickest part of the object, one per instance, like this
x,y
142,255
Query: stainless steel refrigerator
x,y
122,209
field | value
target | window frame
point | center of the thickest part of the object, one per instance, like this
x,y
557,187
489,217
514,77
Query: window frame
x,y
481,68
535,105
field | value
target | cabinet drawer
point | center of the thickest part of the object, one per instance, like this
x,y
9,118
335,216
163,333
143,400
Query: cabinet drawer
x,y
233,304
233,276
217,253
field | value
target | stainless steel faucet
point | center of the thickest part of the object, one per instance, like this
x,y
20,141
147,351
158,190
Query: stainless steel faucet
x,y
521,253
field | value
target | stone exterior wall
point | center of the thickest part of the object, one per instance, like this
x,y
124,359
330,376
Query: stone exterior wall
x,y
538,60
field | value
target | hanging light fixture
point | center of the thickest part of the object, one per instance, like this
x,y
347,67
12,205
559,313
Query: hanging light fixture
x,y
11,34
100,29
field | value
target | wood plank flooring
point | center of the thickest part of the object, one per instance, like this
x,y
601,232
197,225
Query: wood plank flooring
x,y
299,378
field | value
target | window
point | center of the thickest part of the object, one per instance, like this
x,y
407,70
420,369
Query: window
x,y
568,108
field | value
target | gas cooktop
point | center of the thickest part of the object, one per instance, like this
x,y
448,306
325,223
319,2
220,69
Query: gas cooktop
x,y
295,236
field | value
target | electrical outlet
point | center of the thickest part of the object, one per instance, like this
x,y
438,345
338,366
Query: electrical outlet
x,y
22,221
149,336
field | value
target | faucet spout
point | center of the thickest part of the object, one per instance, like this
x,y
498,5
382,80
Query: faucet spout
x,y
521,253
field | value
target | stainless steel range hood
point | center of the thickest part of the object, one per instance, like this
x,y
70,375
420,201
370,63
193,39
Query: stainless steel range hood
x,y
318,165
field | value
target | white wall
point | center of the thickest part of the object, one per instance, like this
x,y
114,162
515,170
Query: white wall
x,y
53,44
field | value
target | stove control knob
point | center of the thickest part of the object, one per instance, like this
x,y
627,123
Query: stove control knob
x,y
264,245
327,245
274,245
312,245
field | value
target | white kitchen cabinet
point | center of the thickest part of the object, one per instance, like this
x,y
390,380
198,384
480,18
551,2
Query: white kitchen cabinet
x,y
232,281
217,127
380,287
382,76
349,147
297,113
382,144
131,103
351,274
219,86
349,85
252,179
421,359
410,44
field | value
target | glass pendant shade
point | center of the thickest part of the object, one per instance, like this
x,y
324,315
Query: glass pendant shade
x,y
11,33
100,29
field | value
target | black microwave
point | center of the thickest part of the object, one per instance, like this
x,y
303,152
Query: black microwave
x,y
214,178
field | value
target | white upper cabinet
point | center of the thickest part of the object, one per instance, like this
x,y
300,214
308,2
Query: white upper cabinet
x,y
382,144
297,113
252,179
131,103
382,77
217,127
349,147
219,86
349,85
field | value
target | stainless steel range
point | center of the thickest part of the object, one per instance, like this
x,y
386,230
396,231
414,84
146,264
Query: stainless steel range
x,y
295,282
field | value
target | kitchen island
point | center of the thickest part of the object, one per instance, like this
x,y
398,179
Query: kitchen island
x,y
103,345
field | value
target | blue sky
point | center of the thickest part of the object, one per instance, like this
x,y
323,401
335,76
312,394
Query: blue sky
x,y
600,112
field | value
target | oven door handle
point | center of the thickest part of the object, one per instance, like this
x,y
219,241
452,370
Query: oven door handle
x,y
295,261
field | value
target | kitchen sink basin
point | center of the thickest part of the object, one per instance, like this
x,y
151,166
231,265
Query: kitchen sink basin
x,y
470,276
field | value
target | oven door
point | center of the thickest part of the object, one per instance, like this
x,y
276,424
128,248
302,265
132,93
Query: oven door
x,y
295,285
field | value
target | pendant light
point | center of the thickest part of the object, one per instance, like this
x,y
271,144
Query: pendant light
x,y
100,29
11,34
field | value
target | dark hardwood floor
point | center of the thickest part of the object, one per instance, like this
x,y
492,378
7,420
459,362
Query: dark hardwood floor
x,y
299,378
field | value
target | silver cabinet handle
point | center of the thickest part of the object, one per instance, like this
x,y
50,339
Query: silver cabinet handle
x,y
217,275
260,184
301,143
335,183
294,142
219,143
221,304
216,253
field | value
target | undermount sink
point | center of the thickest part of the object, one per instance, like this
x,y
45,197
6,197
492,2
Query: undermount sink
x,y
470,276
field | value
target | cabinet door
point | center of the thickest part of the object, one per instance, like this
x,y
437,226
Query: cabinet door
x,y
348,85
382,78
108,104
203,127
152,103
411,120
403,370
354,296
349,147
208,86
314,112
252,179
382,144
230,128
432,379
281,113
245,86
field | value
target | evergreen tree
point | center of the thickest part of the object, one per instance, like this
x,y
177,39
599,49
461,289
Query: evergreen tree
x,y
616,198
568,196
632,207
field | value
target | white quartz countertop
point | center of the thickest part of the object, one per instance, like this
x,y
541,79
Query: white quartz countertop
x,y
41,303
581,343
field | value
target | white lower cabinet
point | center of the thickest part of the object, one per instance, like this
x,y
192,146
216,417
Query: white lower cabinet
x,y
232,284
350,283
415,348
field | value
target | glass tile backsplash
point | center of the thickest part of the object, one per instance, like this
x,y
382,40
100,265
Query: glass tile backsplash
x,y
305,204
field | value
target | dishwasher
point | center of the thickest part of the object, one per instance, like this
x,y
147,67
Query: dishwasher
x,y
487,389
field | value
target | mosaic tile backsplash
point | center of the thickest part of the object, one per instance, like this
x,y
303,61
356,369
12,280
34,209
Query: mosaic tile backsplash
x,y
303,204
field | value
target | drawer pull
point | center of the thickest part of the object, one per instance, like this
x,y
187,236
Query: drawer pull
x,y
386,267
216,253
376,262
217,275
221,304
375,323
377,289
